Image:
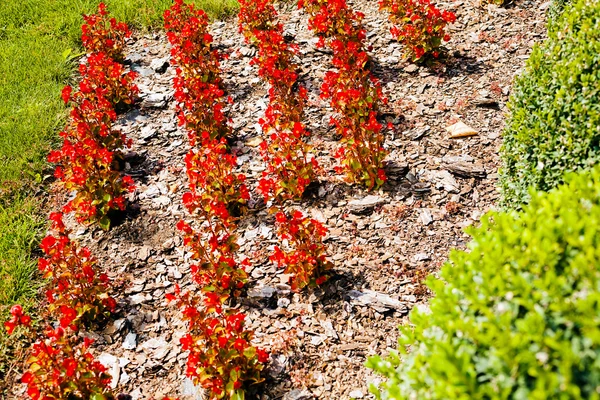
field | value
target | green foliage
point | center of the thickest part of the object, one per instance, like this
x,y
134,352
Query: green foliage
x,y
555,107
556,9
517,316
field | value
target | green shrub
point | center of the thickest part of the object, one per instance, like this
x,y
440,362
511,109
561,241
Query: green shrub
x,y
556,9
517,316
554,125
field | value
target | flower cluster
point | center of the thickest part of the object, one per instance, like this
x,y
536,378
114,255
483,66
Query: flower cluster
x,y
211,178
290,168
419,25
88,161
17,319
77,292
353,91
306,262
216,270
104,78
198,86
221,358
257,16
217,197
103,34
61,367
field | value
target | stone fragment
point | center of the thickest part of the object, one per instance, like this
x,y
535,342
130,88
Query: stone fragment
x,y
410,68
148,132
297,394
445,180
317,340
378,301
112,365
460,130
155,100
189,389
366,204
262,296
425,217
283,302
130,342
464,166
160,65
422,257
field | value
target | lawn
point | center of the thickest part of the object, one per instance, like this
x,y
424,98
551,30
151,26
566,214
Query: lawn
x,y
39,45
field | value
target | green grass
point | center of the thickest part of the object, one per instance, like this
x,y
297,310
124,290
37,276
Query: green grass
x,y
36,40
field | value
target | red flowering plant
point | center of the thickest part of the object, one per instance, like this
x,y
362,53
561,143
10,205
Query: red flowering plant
x,y
221,357
289,165
90,155
353,91
92,117
363,155
61,367
257,16
289,168
198,85
86,168
103,78
103,34
419,25
18,318
211,176
306,261
78,292
333,19
200,108
213,248
215,193
187,31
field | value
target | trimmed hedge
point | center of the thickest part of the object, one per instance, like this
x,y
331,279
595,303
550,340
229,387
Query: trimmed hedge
x,y
517,316
554,125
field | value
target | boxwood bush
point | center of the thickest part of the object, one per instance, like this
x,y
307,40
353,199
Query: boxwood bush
x,y
554,126
518,315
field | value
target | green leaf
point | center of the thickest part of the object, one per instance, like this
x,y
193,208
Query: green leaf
x,y
104,223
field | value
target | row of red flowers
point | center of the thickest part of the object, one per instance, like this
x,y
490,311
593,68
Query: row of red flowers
x,y
354,93
89,159
59,365
289,168
221,357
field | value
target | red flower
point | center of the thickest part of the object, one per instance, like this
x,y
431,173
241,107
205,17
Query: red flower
x,y
240,345
320,280
70,366
10,326
16,310
66,94
262,355
280,217
223,340
47,243
68,316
